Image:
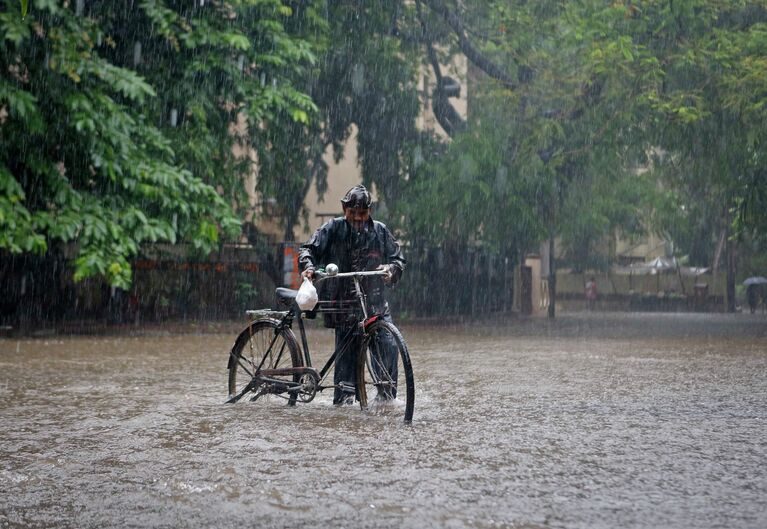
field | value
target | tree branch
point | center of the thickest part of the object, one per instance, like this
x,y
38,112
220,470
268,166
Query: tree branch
x,y
447,116
471,53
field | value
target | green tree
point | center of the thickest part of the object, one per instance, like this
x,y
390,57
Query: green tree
x,y
708,115
116,122
580,98
548,110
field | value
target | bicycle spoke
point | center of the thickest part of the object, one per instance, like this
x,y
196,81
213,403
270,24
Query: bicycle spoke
x,y
279,356
237,397
377,367
244,368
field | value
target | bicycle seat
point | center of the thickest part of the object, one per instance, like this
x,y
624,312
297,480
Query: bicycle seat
x,y
286,295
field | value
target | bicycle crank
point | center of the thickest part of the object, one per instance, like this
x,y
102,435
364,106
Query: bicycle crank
x,y
309,381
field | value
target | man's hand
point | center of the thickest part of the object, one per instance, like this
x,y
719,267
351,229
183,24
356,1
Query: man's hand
x,y
308,274
389,275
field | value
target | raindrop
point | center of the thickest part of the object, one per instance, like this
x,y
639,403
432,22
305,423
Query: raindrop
x,y
136,53
173,117
358,78
468,169
501,179
79,6
381,209
418,158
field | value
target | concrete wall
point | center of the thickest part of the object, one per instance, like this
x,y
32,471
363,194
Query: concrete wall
x,y
569,283
666,291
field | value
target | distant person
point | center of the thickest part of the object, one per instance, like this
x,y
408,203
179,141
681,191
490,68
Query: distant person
x,y
590,291
752,294
763,297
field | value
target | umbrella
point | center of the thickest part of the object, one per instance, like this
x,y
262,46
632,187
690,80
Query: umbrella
x,y
692,270
756,280
659,264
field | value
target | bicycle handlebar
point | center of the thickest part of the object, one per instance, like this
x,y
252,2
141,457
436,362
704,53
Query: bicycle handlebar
x,y
321,274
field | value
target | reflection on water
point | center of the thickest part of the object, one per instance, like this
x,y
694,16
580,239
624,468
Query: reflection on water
x,y
596,421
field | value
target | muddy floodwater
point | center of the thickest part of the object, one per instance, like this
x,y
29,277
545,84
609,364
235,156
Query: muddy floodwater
x,y
595,421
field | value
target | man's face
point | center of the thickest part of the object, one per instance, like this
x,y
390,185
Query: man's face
x,y
357,217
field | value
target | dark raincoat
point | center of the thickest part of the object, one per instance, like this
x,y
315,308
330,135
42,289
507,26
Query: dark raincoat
x,y
337,242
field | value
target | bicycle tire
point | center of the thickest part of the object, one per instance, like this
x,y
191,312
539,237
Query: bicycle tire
x,y
249,349
387,380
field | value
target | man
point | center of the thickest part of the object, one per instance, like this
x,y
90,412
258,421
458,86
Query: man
x,y
355,242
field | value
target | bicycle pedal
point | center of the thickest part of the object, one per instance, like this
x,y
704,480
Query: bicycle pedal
x,y
255,396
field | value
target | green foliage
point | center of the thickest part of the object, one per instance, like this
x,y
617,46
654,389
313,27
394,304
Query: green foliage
x,y
465,193
90,155
134,123
546,157
708,116
604,92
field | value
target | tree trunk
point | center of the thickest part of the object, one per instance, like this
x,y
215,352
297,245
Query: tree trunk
x,y
730,271
552,280
719,249
290,223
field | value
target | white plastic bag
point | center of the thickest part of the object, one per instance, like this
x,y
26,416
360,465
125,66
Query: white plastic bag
x,y
307,295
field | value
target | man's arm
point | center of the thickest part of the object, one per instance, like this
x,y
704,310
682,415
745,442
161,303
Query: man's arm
x,y
394,257
313,250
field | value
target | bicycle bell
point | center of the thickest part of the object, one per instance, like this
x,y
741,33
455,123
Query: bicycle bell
x,y
331,269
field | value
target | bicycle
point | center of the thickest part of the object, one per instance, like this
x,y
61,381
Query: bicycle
x,y
266,358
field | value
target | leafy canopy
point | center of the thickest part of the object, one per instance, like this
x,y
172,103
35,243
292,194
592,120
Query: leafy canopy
x,y
116,122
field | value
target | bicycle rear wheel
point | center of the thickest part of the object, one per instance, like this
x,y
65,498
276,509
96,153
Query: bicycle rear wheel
x,y
385,381
261,339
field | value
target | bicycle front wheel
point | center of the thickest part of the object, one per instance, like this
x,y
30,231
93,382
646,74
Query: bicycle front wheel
x,y
262,341
385,381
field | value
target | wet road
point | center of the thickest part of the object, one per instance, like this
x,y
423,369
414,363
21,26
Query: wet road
x,y
596,421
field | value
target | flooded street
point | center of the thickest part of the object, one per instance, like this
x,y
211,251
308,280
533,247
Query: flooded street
x,y
595,421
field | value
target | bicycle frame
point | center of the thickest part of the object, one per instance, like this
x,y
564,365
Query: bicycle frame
x,y
327,307
261,376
